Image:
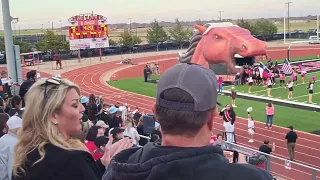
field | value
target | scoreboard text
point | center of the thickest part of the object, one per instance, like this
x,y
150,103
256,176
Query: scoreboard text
x,y
88,31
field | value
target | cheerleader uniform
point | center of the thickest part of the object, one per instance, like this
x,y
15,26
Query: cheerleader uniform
x,y
303,73
251,127
282,77
250,81
270,83
311,89
290,86
228,125
294,77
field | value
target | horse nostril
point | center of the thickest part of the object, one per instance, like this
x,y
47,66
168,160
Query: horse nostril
x,y
244,47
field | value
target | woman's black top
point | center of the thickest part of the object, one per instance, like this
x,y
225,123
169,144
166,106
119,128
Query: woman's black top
x,y
60,164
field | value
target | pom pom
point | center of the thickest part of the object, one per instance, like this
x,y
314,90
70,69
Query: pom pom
x,y
313,78
249,109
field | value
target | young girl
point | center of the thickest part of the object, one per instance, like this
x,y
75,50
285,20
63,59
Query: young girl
x,y
303,74
250,82
290,88
282,78
310,88
269,84
250,128
233,96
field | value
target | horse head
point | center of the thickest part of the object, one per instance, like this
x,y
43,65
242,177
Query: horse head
x,y
221,44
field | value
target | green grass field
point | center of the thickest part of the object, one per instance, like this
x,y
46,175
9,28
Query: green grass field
x,y
300,91
285,116
305,26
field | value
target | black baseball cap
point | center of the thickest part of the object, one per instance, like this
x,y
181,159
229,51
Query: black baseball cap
x,y
116,130
101,141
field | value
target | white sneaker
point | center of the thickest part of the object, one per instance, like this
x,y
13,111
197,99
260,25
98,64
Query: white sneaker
x,y
251,141
234,106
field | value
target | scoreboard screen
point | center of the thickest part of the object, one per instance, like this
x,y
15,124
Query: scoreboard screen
x,y
88,31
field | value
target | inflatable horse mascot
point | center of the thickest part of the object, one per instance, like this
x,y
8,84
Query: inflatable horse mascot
x,y
210,46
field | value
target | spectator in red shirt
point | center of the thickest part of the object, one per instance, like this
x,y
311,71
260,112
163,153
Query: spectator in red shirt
x,y
93,133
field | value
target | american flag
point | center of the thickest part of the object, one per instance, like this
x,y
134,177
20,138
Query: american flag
x,y
264,71
286,67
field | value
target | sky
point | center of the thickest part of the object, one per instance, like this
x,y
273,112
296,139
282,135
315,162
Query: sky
x,y
34,13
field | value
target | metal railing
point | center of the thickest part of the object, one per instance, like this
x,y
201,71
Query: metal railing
x,y
277,166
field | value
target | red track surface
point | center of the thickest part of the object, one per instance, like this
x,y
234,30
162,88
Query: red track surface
x,y
308,146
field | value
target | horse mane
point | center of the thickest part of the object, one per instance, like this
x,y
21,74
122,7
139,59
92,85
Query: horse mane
x,y
187,56
194,41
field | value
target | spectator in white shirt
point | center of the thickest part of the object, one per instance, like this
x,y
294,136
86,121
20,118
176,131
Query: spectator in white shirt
x,y
131,132
7,145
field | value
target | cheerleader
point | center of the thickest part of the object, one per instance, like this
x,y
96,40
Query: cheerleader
x,y
310,88
229,118
250,128
290,87
295,77
250,82
282,79
269,84
303,74
233,96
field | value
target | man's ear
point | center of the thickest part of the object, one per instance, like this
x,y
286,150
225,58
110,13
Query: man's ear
x,y
154,109
213,114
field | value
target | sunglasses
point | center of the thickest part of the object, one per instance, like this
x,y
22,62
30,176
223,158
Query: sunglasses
x,y
51,81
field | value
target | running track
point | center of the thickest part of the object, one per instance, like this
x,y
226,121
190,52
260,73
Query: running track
x,y
308,147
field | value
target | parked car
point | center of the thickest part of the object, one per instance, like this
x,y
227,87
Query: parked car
x,y
314,40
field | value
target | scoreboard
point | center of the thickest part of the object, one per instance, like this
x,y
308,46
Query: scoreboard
x,y
88,31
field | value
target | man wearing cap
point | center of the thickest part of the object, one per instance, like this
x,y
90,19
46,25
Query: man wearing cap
x,y
114,119
7,144
185,108
117,134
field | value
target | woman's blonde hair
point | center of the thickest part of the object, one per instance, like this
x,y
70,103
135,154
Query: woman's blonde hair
x,y
42,100
128,123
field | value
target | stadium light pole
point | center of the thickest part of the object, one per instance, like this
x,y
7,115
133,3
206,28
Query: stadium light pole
x,y
10,54
288,3
284,28
318,27
220,15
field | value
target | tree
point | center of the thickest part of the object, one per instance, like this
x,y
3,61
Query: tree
x,y
112,42
199,22
52,42
179,33
246,25
265,27
24,46
128,40
156,34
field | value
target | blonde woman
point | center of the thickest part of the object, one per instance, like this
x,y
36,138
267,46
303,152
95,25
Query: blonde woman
x,y
131,132
46,150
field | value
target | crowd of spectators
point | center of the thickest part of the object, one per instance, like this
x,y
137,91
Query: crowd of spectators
x,y
59,134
